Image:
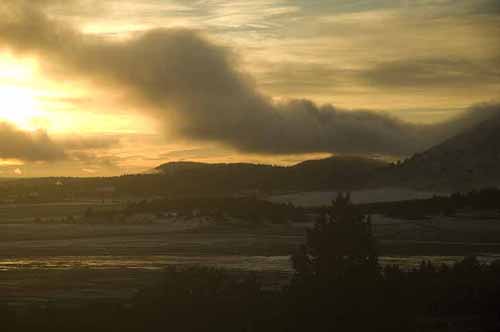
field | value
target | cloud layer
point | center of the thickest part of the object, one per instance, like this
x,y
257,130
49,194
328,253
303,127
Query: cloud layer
x,y
198,91
17,144
38,146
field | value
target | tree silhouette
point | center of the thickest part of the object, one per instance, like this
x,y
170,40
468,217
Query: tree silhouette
x,y
336,284
340,246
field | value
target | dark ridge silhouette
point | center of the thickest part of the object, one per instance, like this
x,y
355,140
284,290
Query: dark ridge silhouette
x,y
198,179
467,161
316,164
341,172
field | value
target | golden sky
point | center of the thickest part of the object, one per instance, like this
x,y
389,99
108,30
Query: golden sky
x,y
93,88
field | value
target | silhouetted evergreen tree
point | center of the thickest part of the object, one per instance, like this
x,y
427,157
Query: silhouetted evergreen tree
x,y
340,246
336,284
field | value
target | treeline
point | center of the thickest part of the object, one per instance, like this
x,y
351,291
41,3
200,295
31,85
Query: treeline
x,y
217,208
196,179
337,285
476,200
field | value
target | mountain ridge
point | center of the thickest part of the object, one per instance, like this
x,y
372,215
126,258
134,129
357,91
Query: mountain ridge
x,y
468,160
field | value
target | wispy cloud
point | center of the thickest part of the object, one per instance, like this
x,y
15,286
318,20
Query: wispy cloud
x,y
196,81
285,43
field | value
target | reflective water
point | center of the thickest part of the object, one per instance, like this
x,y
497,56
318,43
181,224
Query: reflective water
x,y
158,262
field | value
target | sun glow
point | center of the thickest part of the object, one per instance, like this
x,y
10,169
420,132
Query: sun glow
x,y
19,107
18,103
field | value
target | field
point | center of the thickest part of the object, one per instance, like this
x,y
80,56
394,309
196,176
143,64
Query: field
x,y
75,262
318,198
27,213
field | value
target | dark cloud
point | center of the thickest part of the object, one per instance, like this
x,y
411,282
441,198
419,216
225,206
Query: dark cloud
x,y
472,117
196,88
434,72
485,7
37,146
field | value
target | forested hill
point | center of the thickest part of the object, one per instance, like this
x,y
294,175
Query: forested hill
x,y
331,173
466,161
187,178
470,160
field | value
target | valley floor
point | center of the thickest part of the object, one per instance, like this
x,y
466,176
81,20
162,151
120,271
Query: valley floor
x,y
72,263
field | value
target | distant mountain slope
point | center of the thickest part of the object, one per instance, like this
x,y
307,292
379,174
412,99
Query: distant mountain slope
x,y
469,160
180,167
333,172
198,179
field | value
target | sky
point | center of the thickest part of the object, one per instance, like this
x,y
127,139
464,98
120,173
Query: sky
x,y
99,88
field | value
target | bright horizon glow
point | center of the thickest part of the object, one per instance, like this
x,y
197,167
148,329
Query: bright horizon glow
x,y
380,56
19,105
30,102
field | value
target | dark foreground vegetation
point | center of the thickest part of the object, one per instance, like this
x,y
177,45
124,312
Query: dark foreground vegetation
x,y
337,285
